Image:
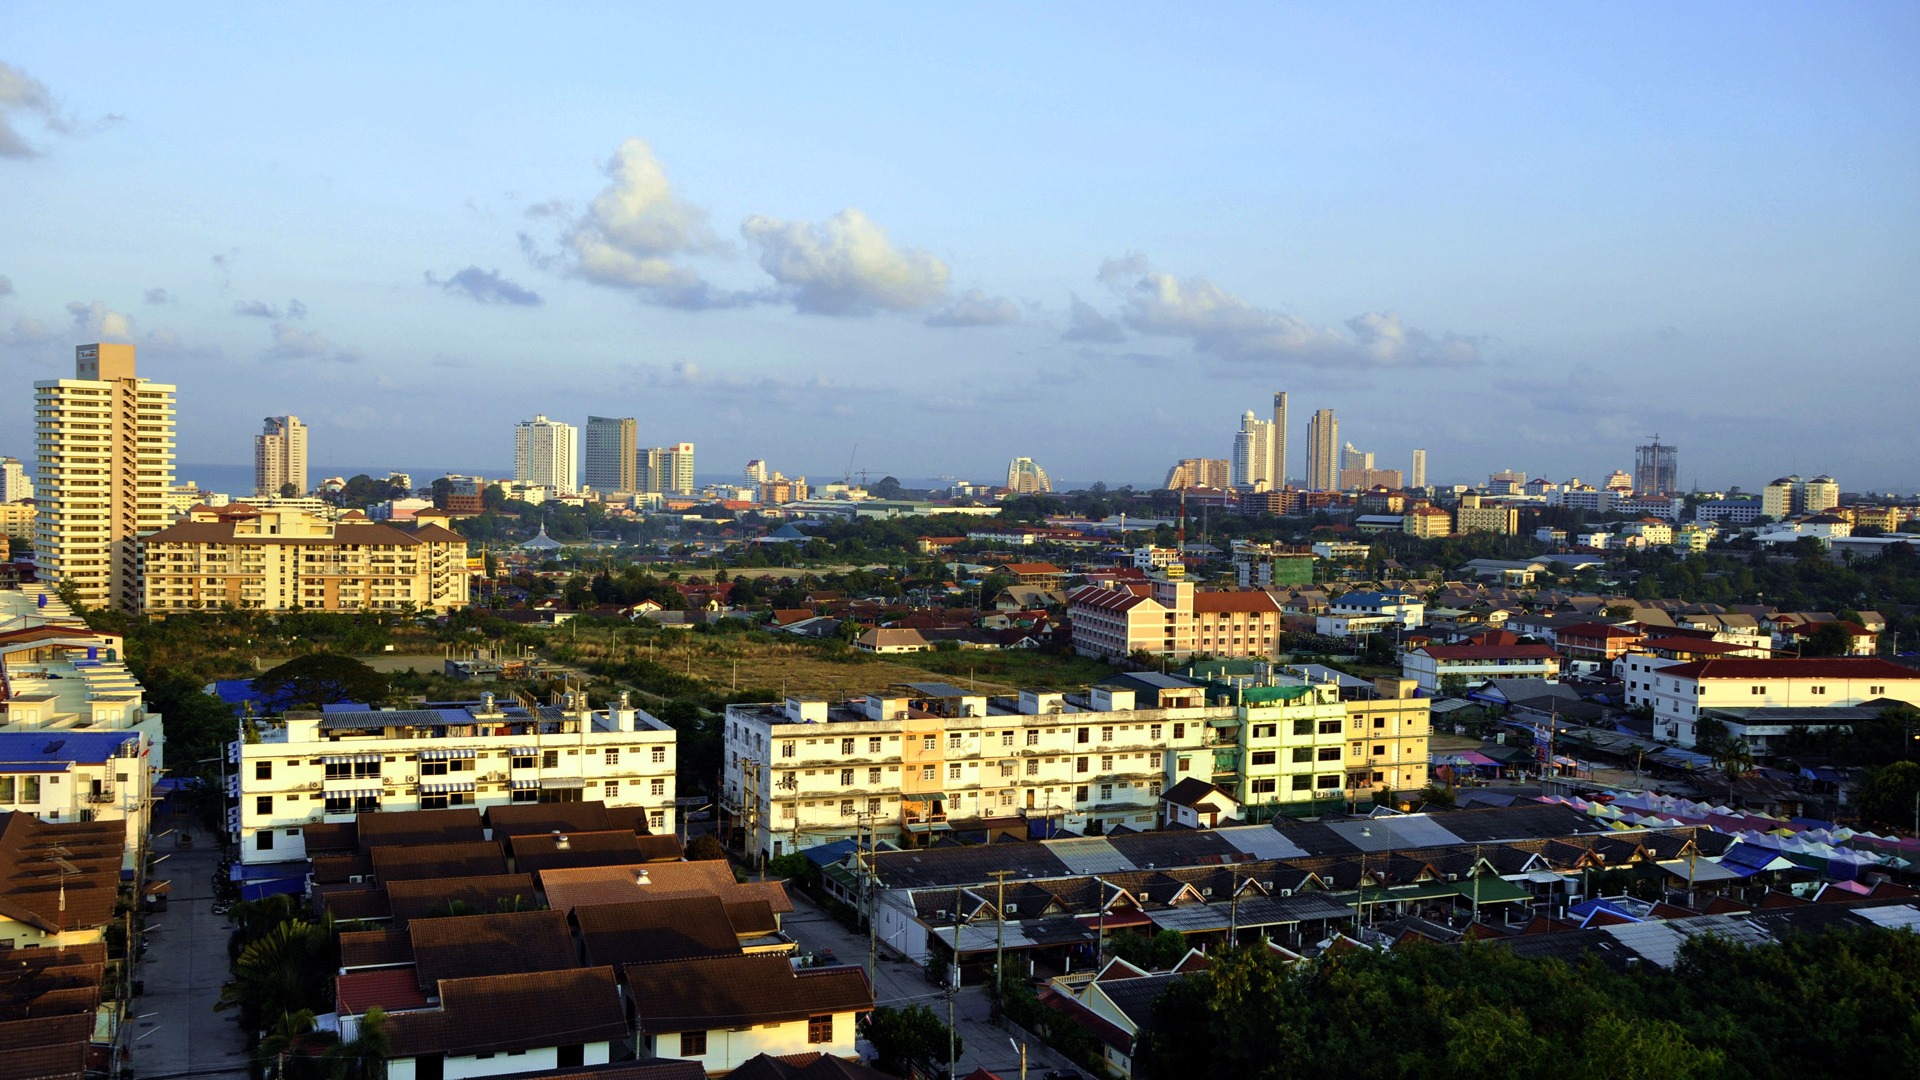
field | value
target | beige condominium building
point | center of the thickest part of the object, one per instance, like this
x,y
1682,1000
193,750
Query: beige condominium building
x,y
915,762
319,767
281,560
104,441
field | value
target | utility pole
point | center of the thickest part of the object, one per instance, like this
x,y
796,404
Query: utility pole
x,y
953,990
999,933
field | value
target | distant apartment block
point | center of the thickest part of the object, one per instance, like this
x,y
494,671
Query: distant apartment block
x,y
1453,668
1419,476
612,454
1681,694
105,445
1252,462
1427,521
1790,496
330,767
14,484
1363,479
545,454
280,456
1263,566
16,519
665,470
1025,477
1323,451
1656,469
1475,514
1728,511
1199,473
283,560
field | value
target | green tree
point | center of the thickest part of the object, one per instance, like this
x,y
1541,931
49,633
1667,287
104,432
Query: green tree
x,y
705,848
365,1056
1890,794
322,679
1828,639
908,1039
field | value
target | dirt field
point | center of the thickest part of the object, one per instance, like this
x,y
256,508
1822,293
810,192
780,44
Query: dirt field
x,y
781,668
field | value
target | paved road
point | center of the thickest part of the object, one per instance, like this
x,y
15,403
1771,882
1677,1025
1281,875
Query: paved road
x,y
901,982
177,1033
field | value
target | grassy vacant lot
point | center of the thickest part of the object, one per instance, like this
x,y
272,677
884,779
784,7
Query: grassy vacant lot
x,y
730,663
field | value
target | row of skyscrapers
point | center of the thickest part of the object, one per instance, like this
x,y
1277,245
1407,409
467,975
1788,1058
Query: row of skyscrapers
x,y
1259,460
550,454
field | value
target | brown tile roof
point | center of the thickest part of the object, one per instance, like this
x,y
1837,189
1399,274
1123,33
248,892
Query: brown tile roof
x,y
34,883
661,848
1490,652
391,864
352,902
413,827
45,1047
734,991
60,983
467,946
750,917
514,1012
331,838
1251,602
653,1069
651,931
411,900
521,819
810,1067
583,886
375,948
533,852
337,869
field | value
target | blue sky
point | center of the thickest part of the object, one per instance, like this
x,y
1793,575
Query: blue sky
x,y
1521,236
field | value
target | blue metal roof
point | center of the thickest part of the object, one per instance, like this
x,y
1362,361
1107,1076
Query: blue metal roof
x,y
59,747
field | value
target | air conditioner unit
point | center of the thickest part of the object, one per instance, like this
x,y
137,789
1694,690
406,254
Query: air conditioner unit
x,y
1013,909
1286,892
1453,877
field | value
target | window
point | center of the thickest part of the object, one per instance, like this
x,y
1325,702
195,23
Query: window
x,y
656,820
525,795
1033,766
788,749
786,810
1083,735
1153,789
433,768
519,761
365,769
1302,753
337,804
612,755
1006,768
1378,777
1359,723
1265,731
873,775
1303,783
1328,753
612,789
1006,798
1080,764
873,806
846,746
846,807
550,759
1303,727
1080,793
1006,738
1379,749
433,802
263,805
1106,733
1106,792
1324,782
1756,690
1033,738
953,772
1379,722
263,770
926,772
659,755
1260,757
846,777
1179,731
927,742
1329,727
263,840
1106,762
1356,748
953,741
1817,691
1263,786
1183,765
820,1029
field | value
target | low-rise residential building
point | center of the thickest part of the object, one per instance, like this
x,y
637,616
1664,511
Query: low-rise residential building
x,y
59,882
284,560
909,764
331,766
16,519
1169,617
1427,521
1399,608
1602,642
721,1011
1474,514
1454,668
1680,693
496,1025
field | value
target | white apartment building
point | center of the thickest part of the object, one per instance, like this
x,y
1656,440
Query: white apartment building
x,y
280,456
908,764
14,485
545,454
313,767
1679,693
665,470
104,441
1454,668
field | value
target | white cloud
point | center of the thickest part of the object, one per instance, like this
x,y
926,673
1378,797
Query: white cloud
x,y
294,343
159,296
97,322
1085,323
1220,324
845,265
260,309
29,332
976,308
485,286
23,95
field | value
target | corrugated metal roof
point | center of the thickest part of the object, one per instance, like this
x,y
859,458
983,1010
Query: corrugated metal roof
x,y
1656,942
1261,842
1400,831
1089,855
1893,917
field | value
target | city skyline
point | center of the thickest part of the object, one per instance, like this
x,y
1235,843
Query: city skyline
x,y
1531,238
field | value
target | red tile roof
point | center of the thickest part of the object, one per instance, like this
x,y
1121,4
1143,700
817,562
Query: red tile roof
x,y
392,989
514,1012
1490,652
1251,602
733,991
1103,599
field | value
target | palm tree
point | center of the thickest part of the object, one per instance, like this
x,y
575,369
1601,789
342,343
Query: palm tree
x,y
1733,758
365,1058
288,970
282,1038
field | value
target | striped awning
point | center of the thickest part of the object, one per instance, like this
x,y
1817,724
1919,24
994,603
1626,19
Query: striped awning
x,y
550,782
526,784
364,793
445,789
447,755
351,759
523,751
